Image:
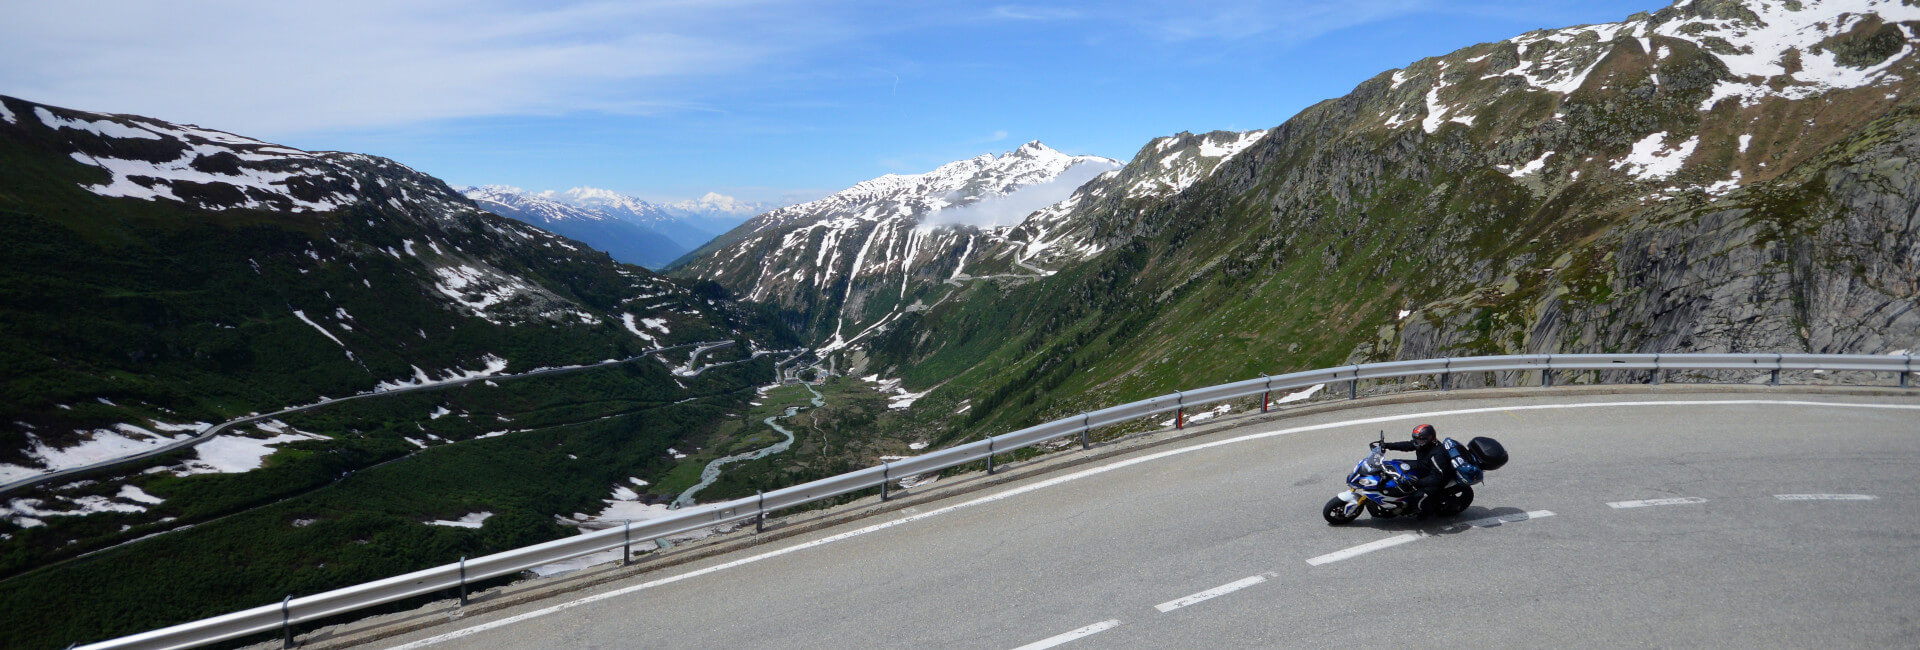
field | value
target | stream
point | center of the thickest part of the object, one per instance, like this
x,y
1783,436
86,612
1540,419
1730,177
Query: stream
x,y
712,471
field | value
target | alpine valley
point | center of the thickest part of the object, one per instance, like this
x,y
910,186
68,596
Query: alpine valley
x,y
162,278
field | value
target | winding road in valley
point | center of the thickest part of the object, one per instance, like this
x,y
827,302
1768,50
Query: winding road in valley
x,y
1651,517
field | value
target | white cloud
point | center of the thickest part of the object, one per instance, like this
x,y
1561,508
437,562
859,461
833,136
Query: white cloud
x,y
1284,20
998,136
272,68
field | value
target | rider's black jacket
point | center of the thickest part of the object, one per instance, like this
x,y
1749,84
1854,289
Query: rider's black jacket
x,y
1430,458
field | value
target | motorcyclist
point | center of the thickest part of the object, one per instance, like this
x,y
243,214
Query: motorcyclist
x,y
1430,458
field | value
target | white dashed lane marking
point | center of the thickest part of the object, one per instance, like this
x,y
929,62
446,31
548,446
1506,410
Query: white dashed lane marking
x,y
1221,590
1622,505
1825,497
1397,540
1075,635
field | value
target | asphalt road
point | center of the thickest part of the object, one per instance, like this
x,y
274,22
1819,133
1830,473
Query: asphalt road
x,y
1122,553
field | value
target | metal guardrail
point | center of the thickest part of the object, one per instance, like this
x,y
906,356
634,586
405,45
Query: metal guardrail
x,y
281,616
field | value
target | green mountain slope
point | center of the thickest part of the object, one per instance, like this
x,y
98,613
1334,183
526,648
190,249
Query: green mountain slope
x,y
161,277
1713,177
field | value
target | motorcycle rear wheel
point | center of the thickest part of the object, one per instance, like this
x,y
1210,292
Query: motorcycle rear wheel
x,y
1455,500
1336,512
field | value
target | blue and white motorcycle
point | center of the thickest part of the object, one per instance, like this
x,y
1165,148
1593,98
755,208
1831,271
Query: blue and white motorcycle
x,y
1385,488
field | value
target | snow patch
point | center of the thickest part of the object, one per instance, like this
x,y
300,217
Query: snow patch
x,y
494,363
1652,159
134,493
470,520
234,454
1532,167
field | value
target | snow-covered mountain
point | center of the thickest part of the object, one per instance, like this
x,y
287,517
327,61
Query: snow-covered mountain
x,y
627,229
613,204
849,262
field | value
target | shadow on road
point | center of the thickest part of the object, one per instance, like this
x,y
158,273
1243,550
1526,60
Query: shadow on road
x,y
1444,525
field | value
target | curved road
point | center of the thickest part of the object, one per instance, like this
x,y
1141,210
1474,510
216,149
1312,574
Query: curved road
x,y
1217,541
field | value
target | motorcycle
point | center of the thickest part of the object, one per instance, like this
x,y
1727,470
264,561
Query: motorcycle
x,y
1385,488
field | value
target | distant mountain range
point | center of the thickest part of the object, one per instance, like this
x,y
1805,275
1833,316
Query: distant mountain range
x,y
630,229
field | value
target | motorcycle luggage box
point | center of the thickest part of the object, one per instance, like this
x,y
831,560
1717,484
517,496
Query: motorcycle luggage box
x,y
1489,452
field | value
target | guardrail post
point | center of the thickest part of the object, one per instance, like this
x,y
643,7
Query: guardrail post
x,y
886,473
1180,416
1446,374
1655,377
1085,421
1904,376
1353,388
1266,398
760,520
463,581
626,543
286,622
1546,373
989,454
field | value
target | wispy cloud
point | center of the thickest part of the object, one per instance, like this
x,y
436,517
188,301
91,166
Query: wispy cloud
x,y
1285,21
273,68
1030,12
998,136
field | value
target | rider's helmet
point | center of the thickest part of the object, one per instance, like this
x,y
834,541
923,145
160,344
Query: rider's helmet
x,y
1424,435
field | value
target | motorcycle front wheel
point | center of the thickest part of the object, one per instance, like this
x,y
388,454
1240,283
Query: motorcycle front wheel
x,y
1339,512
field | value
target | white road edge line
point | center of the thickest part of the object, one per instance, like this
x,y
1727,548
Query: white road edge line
x,y
1825,497
462,633
1221,590
1075,635
1397,540
1622,505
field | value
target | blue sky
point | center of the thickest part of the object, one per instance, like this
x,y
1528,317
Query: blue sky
x,y
759,100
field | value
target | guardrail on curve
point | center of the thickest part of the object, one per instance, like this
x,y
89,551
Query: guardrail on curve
x,y
281,616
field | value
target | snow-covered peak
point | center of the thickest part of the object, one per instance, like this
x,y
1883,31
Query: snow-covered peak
x,y
958,183
1795,49
1785,48
609,201
507,199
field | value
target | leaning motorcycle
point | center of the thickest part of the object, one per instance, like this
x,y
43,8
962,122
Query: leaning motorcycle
x,y
1385,488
